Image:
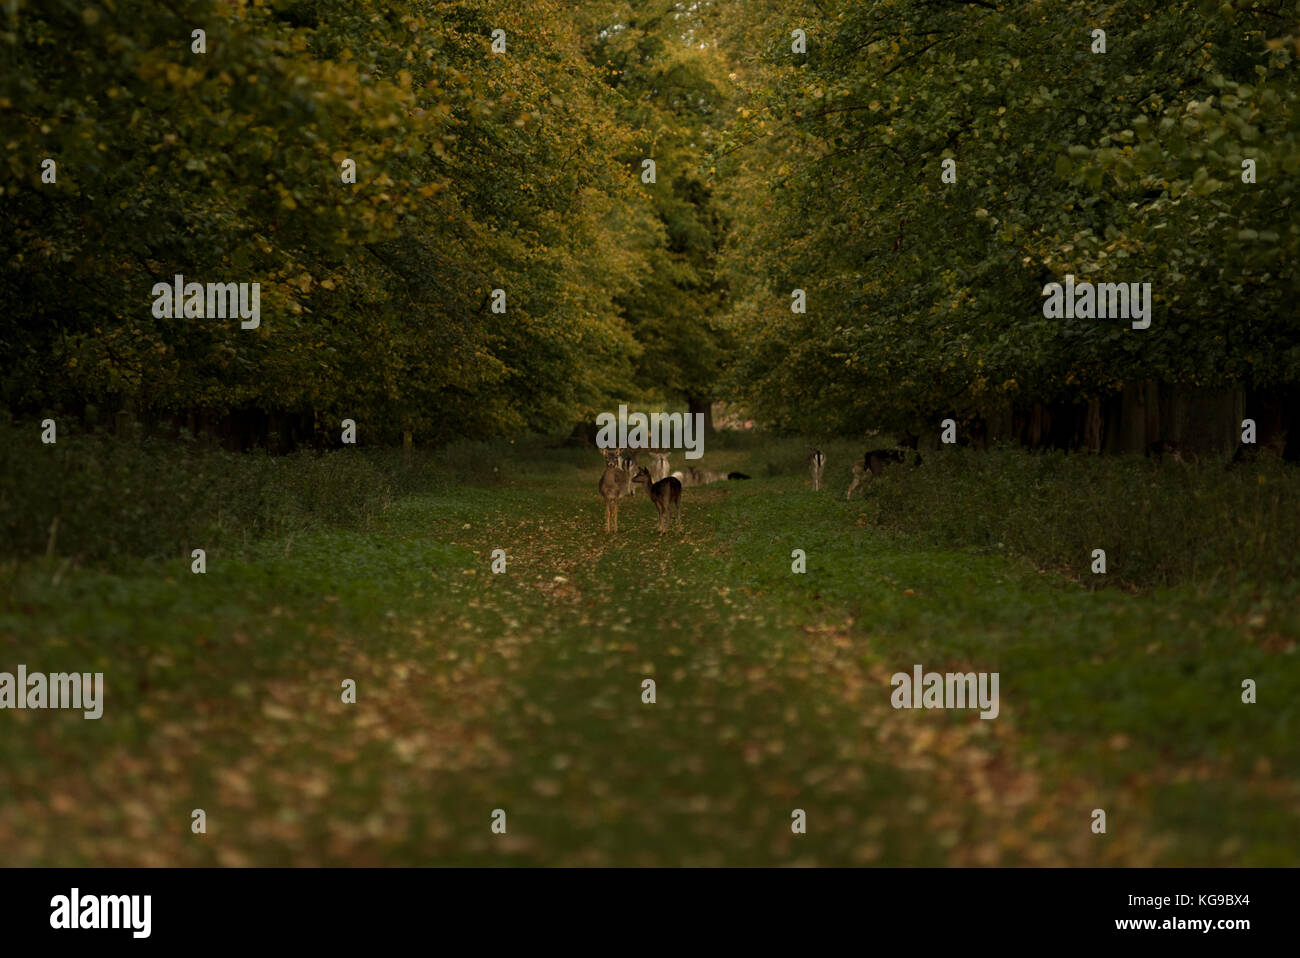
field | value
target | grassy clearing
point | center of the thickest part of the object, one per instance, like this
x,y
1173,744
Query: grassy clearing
x,y
522,691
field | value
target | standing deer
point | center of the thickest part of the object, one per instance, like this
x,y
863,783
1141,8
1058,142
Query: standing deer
x,y
659,466
613,486
874,462
666,494
629,462
817,463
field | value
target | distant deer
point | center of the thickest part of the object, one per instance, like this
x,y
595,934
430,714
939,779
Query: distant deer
x,y
702,477
1273,449
666,494
613,486
1167,447
817,463
629,462
874,462
659,466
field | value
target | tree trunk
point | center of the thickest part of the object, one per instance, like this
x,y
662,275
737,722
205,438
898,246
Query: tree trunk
x,y
1291,451
1269,410
1206,421
1133,419
1001,422
704,406
1151,404
1112,409
584,435
1092,426
1039,423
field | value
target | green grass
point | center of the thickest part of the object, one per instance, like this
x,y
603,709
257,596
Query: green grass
x,y
522,691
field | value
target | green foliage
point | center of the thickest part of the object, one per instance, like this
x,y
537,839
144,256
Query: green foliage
x,y
925,297
1159,526
116,499
671,96
474,171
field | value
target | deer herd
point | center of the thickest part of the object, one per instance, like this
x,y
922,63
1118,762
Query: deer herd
x,y
624,473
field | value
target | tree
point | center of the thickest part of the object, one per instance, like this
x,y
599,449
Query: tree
x,y
475,171
925,296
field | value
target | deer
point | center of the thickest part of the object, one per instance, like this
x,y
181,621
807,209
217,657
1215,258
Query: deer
x,y
659,467
629,462
1167,447
702,477
817,463
613,485
666,494
874,462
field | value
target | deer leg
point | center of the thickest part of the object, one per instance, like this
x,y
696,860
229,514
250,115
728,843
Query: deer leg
x,y
857,480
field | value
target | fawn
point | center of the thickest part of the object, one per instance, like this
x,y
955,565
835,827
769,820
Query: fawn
x,y
817,463
666,494
614,484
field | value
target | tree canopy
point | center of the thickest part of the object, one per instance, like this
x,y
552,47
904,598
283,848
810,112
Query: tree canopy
x,y
500,146
475,170
1120,166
